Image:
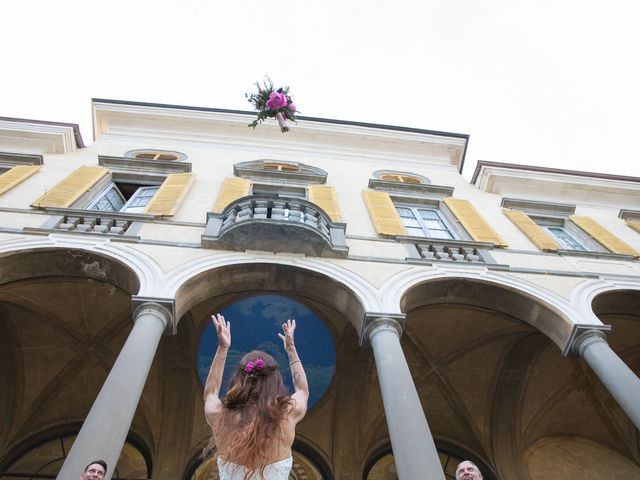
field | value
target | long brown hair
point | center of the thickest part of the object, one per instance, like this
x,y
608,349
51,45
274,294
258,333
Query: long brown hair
x,y
254,407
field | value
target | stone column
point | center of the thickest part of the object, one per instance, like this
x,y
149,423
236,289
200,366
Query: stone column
x,y
105,429
619,379
414,451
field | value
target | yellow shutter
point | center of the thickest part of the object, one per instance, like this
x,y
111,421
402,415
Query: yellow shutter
x,y
603,236
232,189
473,222
634,224
15,175
383,213
71,188
171,193
325,197
532,230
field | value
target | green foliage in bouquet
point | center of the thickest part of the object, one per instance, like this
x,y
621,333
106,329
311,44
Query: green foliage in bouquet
x,y
272,103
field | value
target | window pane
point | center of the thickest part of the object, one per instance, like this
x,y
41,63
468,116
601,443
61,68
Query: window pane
x,y
429,214
111,201
440,234
417,232
565,239
405,212
142,196
435,224
411,222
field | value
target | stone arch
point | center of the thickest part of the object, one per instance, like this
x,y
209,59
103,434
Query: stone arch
x,y
591,298
445,448
39,438
29,264
543,310
555,458
316,283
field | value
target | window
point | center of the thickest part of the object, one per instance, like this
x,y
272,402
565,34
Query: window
x,y
566,234
279,190
549,226
124,197
158,155
45,459
400,177
281,167
424,222
393,177
565,239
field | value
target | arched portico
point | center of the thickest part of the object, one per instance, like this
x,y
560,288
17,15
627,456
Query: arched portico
x,y
485,362
77,301
317,288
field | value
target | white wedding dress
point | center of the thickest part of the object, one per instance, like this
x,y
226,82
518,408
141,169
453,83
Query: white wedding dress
x,y
274,471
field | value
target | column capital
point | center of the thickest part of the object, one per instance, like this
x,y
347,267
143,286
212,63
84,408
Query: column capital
x,y
586,337
374,321
164,308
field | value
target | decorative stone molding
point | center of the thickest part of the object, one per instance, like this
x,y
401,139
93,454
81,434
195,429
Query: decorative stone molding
x,y
632,215
275,224
539,208
445,253
582,336
8,159
450,251
37,136
374,321
304,174
92,221
430,191
163,308
143,166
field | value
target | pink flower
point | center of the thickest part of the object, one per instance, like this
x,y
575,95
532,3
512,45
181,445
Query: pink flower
x,y
259,363
276,101
292,108
248,368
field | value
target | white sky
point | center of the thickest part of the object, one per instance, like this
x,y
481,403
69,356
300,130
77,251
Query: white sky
x,y
539,82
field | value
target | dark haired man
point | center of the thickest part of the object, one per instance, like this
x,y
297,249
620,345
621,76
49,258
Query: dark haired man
x,y
96,470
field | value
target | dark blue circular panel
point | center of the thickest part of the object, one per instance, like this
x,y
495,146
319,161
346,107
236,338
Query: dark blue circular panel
x,y
255,323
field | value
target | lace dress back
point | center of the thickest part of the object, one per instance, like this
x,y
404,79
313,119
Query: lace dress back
x,y
274,471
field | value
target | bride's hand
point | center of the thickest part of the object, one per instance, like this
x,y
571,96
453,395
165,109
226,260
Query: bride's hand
x,y
287,339
223,329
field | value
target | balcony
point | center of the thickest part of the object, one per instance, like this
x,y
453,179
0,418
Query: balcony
x,y
275,224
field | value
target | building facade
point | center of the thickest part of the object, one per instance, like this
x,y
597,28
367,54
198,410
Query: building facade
x,y
496,320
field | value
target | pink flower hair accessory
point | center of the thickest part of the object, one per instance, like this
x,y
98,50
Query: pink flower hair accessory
x,y
251,367
248,368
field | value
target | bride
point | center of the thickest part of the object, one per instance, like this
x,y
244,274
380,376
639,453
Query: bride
x,y
254,424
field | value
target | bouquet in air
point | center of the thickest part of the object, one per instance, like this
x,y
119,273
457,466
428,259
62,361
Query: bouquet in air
x,y
272,103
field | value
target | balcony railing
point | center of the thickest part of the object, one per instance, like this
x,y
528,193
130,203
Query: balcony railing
x,y
275,224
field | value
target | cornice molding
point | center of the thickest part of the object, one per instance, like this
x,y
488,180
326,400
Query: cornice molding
x,y
129,119
38,137
565,185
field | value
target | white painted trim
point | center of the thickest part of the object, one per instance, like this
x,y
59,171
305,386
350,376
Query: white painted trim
x,y
394,289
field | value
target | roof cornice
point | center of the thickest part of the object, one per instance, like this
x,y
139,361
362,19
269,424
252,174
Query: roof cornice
x,y
38,136
118,117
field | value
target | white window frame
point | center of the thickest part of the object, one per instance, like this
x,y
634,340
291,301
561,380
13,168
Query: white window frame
x,y
578,247
280,190
415,208
127,207
576,233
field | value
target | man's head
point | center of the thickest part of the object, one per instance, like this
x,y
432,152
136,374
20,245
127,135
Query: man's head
x,y
96,470
468,471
